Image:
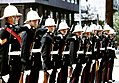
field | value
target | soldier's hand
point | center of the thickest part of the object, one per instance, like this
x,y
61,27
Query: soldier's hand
x,y
3,41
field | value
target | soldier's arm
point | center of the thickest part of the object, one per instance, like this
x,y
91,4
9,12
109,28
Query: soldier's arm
x,y
3,36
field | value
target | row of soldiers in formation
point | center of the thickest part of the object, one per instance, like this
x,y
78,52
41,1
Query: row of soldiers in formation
x,y
54,53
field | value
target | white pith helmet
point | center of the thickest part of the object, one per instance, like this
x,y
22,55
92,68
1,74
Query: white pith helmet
x,y
112,31
87,29
78,28
49,22
106,27
93,27
63,25
32,15
99,27
10,10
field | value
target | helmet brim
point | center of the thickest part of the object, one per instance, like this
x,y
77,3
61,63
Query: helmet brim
x,y
31,19
50,25
77,31
3,17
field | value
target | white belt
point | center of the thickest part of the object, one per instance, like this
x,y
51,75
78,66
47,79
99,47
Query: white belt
x,y
88,52
36,50
65,52
80,52
102,48
54,52
109,48
15,53
113,48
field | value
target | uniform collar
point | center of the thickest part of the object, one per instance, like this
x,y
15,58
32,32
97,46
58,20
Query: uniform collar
x,y
27,25
8,25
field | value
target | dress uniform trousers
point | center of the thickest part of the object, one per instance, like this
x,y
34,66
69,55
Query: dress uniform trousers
x,y
36,65
15,69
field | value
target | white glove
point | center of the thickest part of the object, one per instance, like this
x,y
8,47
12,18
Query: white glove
x,y
27,72
5,78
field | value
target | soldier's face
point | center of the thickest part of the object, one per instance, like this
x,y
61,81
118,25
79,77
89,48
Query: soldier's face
x,y
107,31
87,34
100,32
34,23
51,29
64,31
13,19
95,31
78,33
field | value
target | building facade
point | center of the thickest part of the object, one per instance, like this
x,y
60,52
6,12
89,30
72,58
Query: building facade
x,y
116,5
57,9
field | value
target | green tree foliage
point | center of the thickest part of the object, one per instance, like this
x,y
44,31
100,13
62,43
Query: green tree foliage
x,y
116,21
116,25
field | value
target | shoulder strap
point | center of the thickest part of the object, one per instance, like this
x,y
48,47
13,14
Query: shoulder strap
x,y
14,34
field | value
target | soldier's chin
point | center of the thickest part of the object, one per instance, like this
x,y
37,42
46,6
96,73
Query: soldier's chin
x,y
53,31
16,23
36,26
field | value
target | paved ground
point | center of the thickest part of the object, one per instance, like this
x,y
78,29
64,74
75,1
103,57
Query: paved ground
x,y
115,75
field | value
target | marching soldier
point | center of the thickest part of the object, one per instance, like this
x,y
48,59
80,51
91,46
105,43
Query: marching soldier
x,y
10,42
98,51
47,42
75,45
111,55
63,46
88,58
30,61
96,54
111,51
104,61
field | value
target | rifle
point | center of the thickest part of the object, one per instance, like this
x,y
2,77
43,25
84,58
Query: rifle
x,y
21,78
24,77
86,72
111,56
96,53
57,26
58,71
105,59
47,74
84,66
